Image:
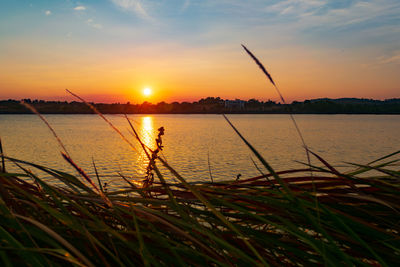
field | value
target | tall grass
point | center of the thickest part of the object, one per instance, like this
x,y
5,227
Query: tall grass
x,y
267,220
247,222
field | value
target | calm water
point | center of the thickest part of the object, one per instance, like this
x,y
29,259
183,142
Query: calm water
x,y
196,143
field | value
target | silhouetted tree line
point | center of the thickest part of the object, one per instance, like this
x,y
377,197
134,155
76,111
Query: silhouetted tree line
x,y
213,105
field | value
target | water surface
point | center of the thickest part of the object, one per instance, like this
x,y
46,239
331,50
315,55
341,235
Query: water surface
x,y
197,145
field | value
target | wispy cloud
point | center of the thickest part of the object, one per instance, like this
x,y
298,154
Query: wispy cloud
x,y
357,13
93,24
133,6
80,8
393,59
332,14
185,5
294,7
47,12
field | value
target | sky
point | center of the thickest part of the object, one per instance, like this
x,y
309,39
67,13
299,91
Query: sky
x,y
184,50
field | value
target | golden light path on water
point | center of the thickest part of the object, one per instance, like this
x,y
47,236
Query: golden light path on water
x,y
147,135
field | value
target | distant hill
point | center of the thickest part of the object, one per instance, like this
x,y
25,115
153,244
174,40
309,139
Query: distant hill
x,y
213,105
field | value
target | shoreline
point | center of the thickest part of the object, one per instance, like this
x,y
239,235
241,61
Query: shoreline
x,y
193,113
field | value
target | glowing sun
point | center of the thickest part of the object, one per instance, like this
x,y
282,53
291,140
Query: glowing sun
x,y
147,91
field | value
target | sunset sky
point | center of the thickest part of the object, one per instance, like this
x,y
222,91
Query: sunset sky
x,y
110,50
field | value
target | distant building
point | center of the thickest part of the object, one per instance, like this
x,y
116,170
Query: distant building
x,y
235,104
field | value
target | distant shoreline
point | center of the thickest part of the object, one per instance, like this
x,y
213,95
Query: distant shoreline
x,y
213,105
203,113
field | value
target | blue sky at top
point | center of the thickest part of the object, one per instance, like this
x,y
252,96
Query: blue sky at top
x,y
311,21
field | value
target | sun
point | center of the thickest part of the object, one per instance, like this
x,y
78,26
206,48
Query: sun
x,y
147,91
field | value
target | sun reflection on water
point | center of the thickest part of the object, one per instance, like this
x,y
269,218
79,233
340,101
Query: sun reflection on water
x,y
147,135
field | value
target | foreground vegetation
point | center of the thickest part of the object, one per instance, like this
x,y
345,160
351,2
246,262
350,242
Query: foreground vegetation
x,y
315,215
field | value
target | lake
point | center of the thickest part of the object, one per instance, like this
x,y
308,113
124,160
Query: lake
x,y
197,145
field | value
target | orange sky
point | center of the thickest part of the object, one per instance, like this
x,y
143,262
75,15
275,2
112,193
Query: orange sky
x,y
114,61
